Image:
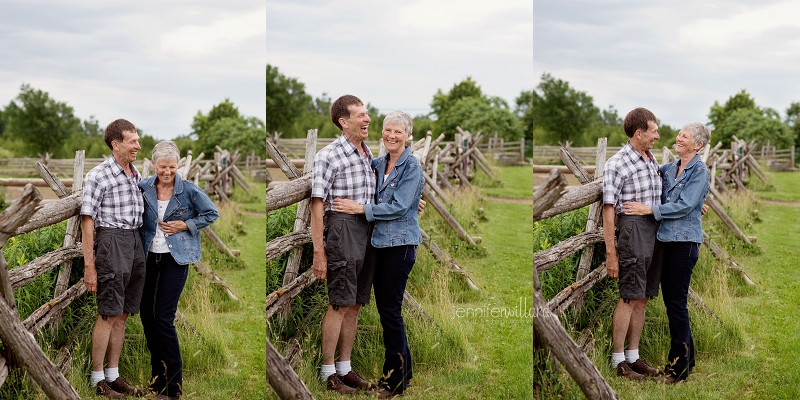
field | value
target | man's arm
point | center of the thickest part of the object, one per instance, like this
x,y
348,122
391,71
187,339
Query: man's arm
x,y
612,262
87,244
320,260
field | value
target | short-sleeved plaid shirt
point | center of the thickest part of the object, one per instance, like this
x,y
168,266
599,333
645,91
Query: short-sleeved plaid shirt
x,y
628,176
111,197
341,172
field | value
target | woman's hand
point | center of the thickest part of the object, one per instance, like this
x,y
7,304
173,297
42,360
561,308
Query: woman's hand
x,y
634,208
347,206
172,227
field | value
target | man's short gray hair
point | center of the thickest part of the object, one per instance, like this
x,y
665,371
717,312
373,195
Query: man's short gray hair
x,y
700,133
166,150
399,117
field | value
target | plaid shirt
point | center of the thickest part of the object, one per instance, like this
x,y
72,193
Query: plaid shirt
x,y
341,172
111,197
628,176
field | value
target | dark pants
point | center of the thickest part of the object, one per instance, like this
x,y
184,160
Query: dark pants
x,y
391,275
163,286
679,261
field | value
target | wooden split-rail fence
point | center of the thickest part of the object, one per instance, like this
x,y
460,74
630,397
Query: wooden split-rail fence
x,y
28,213
554,198
461,163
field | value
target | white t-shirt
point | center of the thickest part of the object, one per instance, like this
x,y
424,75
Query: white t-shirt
x,y
159,244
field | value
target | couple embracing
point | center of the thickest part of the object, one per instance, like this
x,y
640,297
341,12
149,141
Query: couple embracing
x,y
652,226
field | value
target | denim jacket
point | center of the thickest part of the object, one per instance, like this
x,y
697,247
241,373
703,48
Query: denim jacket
x,y
188,204
682,199
396,201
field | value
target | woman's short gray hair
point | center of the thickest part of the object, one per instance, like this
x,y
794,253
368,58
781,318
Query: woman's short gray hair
x,y
166,150
399,117
700,133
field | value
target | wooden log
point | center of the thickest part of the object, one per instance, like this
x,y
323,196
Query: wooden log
x,y
283,162
594,219
11,218
721,185
482,166
239,179
20,182
548,194
221,193
218,242
414,305
3,370
436,189
698,301
754,167
561,301
445,184
209,273
739,185
282,377
573,199
53,308
23,345
52,213
277,299
715,194
727,220
549,331
72,232
545,259
288,193
286,242
443,258
574,165
545,169
723,256
462,178
23,275
52,180
451,221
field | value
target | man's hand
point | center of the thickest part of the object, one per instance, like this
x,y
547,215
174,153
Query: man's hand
x,y
421,206
612,267
320,265
90,278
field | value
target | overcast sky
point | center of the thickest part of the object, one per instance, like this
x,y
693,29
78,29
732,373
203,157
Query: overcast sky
x,y
674,57
155,63
396,54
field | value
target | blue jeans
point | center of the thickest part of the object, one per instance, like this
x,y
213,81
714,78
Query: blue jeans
x,y
392,268
679,261
162,290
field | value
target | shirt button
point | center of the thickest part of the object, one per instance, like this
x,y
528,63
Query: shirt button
x,y
170,246
667,198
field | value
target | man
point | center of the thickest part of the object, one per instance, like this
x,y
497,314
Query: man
x,y
342,253
632,175
111,215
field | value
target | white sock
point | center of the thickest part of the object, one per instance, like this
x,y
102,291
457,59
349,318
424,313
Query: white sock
x,y
326,371
342,367
631,355
111,374
617,358
96,377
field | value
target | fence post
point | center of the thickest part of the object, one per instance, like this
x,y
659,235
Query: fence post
x,y
522,151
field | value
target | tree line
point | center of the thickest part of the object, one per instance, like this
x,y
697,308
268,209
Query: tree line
x,y
34,123
293,112
561,113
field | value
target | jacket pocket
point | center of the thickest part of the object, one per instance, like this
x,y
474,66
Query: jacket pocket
x,y
397,228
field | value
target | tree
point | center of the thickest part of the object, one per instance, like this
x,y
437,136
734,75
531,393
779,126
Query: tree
x,y
524,111
41,122
240,133
753,123
203,122
719,114
442,102
792,114
286,100
561,112
481,114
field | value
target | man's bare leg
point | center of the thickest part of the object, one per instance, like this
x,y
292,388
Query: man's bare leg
x,y
331,331
621,325
101,335
636,323
348,333
116,339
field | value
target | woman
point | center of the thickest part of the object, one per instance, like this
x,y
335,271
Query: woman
x,y
175,211
685,186
395,237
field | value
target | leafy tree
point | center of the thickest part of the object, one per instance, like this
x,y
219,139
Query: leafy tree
x,y
203,122
41,122
561,112
442,102
525,111
720,113
481,114
287,101
240,133
754,123
792,114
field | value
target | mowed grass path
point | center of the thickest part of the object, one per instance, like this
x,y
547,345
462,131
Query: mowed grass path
x,y
768,365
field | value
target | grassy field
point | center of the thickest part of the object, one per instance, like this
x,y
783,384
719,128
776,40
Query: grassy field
x,y
223,356
750,349
480,345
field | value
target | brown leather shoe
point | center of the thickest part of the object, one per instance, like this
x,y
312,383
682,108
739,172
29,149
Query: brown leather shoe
x,y
354,380
335,384
641,366
624,369
163,397
668,380
122,386
103,389
387,394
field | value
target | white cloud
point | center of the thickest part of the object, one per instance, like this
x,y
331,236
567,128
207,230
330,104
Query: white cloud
x,y
203,40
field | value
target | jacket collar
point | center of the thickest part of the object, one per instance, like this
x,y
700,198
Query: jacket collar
x,y
149,188
380,166
687,170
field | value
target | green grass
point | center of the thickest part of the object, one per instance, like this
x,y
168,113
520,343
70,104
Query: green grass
x,y
469,353
750,350
516,182
786,187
